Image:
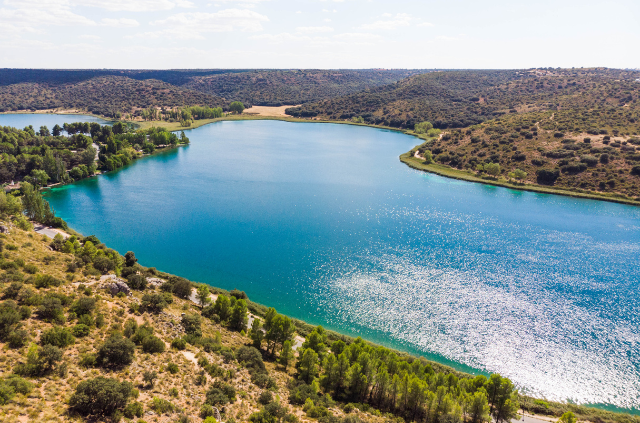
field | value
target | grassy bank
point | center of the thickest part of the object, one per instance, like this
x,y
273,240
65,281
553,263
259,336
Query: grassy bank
x,y
416,163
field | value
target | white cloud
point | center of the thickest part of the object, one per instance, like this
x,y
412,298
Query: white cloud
x,y
131,5
32,19
397,21
423,24
313,29
357,36
446,38
193,25
122,22
90,37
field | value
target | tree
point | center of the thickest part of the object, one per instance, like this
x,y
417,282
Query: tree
x,y
316,340
32,202
518,174
100,396
478,408
568,417
492,169
203,295
149,377
154,303
192,324
116,351
286,355
280,329
136,281
152,344
422,127
236,107
256,333
57,130
130,259
428,157
222,307
182,288
239,319
308,366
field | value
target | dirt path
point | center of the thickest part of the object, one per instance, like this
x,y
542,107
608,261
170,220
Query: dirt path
x,y
49,231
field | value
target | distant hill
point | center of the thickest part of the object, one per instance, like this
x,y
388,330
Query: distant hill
x,y
102,95
454,99
109,91
289,87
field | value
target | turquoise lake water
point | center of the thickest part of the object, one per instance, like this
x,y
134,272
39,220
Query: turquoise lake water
x,y
324,223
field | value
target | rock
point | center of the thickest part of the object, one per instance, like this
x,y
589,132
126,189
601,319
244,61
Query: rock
x,y
117,287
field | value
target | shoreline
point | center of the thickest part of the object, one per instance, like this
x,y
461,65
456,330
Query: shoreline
x,y
338,333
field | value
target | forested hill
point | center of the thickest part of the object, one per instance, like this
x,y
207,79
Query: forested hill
x,y
110,96
113,92
463,98
289,87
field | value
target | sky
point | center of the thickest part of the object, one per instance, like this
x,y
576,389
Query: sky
x,y
319,34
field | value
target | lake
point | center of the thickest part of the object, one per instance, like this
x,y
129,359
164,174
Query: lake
x,y
323,222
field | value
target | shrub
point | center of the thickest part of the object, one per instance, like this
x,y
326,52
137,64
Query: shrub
x,y
172,368
18,338
589,160
138,282
86,319
547,176
87,360
115,351
220,394
178,344
134,409
100,396
635,170
80,330
6,392
265,397
152,344
141,333
240,295
103,264
149,377
58,336
84,305
51,309
192,324
19,385
161,406
182,287
46,281
206,411
9,318
11,292
31,269
262,380
250,358
153,303
39,360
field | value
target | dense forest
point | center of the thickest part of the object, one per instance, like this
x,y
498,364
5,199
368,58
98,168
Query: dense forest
x,y
455,99
115,93
111,96
75,151
290,87
89,334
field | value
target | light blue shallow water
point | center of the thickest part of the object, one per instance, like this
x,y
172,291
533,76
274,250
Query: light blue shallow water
x,y
324,223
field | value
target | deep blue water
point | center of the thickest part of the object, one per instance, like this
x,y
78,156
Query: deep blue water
x,y
324,223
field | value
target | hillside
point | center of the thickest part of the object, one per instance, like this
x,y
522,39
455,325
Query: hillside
x,y
114,92
593,151
289,87
109,96
454,99
89,334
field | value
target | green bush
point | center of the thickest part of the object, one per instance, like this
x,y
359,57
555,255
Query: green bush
x,y
152,344
154,303
220,394
19,385
18,338
100,397
46,281
115,351
178,344
162,406
192,324
84,305
31,269
6,392
134,409
58,336
172,368
80,330
138,282
141,333
87,360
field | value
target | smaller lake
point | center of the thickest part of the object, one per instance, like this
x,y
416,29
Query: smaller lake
x,y
22,120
